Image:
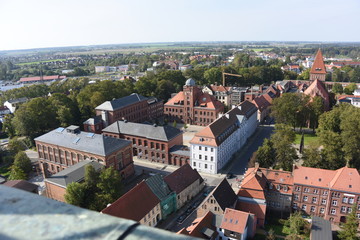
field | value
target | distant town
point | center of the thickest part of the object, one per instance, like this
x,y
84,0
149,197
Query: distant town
x,y
226,140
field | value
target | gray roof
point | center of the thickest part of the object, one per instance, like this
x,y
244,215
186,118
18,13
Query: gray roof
x,y
320,229
74,173
18,100
83,141
93,121
121,102
180,150
162,133
158,186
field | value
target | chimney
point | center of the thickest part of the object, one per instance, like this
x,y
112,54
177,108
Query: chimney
x,y
257,165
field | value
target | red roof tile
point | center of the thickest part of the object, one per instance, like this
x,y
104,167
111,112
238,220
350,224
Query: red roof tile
x,y
198,226
317,88
259,210
235,220
44,78
135,204
318,65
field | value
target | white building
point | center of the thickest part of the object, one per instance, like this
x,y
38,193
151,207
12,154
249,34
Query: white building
x,y
213,147
13,104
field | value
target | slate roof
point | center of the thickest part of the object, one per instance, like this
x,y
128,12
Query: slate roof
x,y
22,184
121,102
135,204
162,133
83,141
181,178
74,173
224,195
320,229
159,187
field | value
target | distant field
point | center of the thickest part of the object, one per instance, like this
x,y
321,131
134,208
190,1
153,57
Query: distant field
x,y
147,49
260,49
309,138
30,63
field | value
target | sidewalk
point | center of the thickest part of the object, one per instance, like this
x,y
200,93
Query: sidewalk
x,y
169,168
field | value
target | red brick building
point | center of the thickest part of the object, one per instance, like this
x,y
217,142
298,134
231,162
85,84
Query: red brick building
x,y
133,108
64,147
326,193
318,70
56,184
151,142
192,106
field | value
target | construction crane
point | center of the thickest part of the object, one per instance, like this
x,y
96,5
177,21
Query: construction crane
x,y
230,74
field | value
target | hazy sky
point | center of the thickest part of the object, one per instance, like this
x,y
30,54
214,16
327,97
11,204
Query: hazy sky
x,y
54,23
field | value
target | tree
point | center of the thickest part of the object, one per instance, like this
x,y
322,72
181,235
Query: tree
x,y
23,162
213,75
110,187
32,118
290,109
282,141
76,194
266,155
298,228
17,173
271,235
349,89
312,157
349,228
8,126
185,126
15,145
337,88
174,124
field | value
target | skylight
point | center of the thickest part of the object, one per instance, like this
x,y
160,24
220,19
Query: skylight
x,y
59,130
76,140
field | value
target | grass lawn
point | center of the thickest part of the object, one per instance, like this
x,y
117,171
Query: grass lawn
x,y
309,138
275,225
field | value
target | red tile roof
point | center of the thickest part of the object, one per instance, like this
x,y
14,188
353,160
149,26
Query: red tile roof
x,y
44,78
261,102
135,204
216,88
318,65
317,88
235,220
343,179
211,133
196,229
259,210
181,178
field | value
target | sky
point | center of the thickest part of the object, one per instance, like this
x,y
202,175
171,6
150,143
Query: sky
x,y
28,24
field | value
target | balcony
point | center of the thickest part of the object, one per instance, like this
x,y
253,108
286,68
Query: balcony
x,y
29,216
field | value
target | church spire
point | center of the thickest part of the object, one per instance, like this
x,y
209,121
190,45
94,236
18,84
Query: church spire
x,y
318,70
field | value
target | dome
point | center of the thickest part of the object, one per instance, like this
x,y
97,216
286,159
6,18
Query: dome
x,y
190,82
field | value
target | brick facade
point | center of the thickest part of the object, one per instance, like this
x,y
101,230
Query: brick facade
x,y
192,106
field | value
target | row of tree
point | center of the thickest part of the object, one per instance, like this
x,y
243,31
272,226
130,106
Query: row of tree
x,y
98,189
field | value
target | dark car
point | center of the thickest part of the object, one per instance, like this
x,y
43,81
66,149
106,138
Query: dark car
x,y
230,175
180,219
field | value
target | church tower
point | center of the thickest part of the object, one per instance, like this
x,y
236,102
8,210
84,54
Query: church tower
x,y
318,70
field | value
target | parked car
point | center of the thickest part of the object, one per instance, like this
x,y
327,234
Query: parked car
x,y
180,219
230,175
